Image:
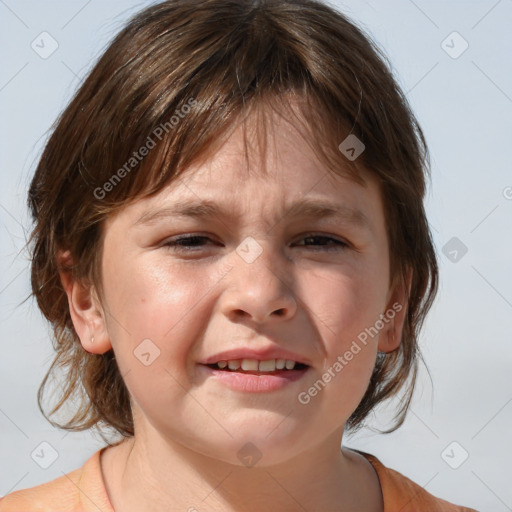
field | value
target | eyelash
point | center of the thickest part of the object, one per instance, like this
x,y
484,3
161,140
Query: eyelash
x,y
180,244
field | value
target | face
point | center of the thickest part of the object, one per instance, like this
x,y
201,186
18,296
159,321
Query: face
x,y
291,265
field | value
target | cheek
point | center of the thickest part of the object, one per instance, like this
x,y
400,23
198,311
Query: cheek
x,y
148,298
349,355
154,316
151,300
345,303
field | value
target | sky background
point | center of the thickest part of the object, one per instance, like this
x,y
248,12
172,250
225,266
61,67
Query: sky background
x,y
452,58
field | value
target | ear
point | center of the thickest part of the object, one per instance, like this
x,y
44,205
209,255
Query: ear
x,y
395,313
85,308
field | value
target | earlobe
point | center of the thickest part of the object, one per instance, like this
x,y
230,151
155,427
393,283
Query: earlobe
x,y
396,312
85,308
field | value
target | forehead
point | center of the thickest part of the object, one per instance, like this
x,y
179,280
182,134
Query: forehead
x,y
274,159
266,149
287,180
263,170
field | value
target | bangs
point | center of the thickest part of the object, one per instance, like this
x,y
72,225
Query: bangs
x,y
174,143
174,95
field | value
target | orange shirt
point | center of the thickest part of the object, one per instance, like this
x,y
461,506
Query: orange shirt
x,y
83,490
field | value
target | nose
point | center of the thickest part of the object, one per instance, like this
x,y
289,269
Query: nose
x,y
256,290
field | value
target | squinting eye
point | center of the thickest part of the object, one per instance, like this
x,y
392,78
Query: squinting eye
x,y
331,243
186,242
196,242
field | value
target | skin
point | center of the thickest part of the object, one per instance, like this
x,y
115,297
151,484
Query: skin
x,y
193,303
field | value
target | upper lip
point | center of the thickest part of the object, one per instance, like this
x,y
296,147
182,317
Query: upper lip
x,y
262,354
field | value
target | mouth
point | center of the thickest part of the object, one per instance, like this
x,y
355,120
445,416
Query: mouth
x,y
251,375
258,367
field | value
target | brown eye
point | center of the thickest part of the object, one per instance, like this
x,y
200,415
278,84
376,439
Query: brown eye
x,y
325,243
187,242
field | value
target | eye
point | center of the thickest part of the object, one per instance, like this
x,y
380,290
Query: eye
x,y
314,241
187,242
324,243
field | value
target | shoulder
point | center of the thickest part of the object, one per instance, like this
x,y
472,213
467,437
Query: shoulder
x,y
61,492
401,493
70,492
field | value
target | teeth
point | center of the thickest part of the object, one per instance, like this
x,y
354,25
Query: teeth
x,y
280,364
253,365
267,366
289,364
233,365
250,364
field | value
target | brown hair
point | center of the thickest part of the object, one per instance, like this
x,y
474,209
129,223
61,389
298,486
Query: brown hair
x,y
224,59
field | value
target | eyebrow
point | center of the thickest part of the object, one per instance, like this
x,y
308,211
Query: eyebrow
x,y
303,208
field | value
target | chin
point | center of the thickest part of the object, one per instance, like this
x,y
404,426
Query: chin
x,y
255,445
249,454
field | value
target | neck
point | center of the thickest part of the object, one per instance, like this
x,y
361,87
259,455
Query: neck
x,y
152,473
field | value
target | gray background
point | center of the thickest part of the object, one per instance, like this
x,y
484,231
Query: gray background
x,y
464,105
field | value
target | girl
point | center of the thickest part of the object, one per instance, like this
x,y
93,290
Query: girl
x,y
231,245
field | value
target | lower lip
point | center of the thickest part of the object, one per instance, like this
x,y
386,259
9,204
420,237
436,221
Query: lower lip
x,y
253,383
